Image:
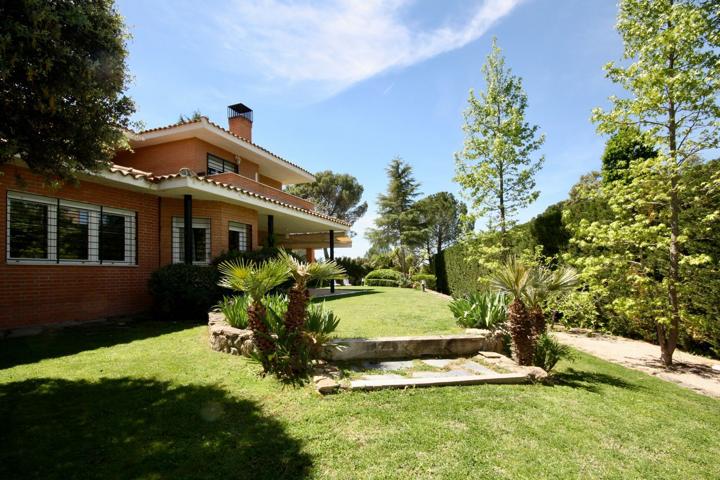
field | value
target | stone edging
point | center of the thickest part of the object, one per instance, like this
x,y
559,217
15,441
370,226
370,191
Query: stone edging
x,y
227,339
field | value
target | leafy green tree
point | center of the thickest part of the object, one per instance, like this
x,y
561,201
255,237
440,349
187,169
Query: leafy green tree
x,y
495,168
672,74
623,147
336,194
548,231
442,220
63,75
398,223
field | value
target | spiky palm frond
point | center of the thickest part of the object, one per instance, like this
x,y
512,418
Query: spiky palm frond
x,y
512,277
255,280
544,284
303,272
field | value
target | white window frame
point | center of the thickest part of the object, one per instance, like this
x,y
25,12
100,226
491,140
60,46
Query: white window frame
x,y
242,228
94,213
177,239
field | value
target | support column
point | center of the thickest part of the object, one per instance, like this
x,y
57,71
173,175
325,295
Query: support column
x,y
271,231
332,257
188,231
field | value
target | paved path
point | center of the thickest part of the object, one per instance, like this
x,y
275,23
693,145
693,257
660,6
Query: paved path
x,y
691,371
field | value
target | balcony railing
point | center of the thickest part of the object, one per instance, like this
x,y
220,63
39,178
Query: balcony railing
x,y
261,189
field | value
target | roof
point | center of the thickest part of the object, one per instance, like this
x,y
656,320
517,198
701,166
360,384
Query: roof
x,y
210,124
156,179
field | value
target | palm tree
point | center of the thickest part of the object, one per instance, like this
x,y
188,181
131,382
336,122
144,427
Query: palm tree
x,y
256,281
299,296
513,278
545,285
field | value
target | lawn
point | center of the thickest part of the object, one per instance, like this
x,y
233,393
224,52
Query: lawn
x,y
151,400
387,311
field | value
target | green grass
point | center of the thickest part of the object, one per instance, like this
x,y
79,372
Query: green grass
x,y
152,401
388,311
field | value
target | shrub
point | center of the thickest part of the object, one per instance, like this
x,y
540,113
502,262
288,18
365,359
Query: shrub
x,y
380,282
548,352
430,280
235,310
319,325
480,310
355,268
456,275
184,292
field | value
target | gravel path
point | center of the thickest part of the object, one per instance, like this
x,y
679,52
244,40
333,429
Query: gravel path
x,y
691,371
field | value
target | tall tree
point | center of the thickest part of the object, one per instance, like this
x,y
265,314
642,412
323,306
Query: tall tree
x,y
442,221
495,168
671,71
397,225
336,194
62,82
626,145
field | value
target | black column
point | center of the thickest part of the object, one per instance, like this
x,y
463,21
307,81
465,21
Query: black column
x,y
271,231
187,224
332,257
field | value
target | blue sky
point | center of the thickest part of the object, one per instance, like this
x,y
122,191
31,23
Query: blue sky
x,y
348,85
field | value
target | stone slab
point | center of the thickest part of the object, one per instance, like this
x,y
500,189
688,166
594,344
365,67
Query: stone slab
x,y
441,374
438,362
388,365
382,377
388,348
476,368
405,382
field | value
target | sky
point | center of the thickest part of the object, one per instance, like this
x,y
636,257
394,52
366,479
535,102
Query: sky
x,y
348,85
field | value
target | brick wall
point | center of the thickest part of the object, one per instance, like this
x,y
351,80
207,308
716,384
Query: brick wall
x,y
46,294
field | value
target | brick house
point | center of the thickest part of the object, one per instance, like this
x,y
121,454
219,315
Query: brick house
x,y
184,193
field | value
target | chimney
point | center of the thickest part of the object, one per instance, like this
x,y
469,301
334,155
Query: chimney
x,y
240,120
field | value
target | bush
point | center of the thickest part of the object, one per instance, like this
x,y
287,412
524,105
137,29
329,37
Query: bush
x,y
355,268
385,274
430,280
235,310
455,275
480,310
548,352
184,292
380,282
319,325
254,257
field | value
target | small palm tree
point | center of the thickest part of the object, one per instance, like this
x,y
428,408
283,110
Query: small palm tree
x,y
545,285
256,281
513,278
299,296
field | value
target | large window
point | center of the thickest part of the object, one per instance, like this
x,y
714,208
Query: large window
x,y
218,165
200,237
240,236
41,229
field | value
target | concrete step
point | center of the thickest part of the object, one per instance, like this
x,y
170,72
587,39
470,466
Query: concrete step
x,y
386,348
386,381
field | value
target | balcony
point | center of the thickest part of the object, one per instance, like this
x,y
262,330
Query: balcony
x,y
261,189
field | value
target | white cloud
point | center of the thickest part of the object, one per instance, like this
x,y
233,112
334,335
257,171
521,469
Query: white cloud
x,y
334,44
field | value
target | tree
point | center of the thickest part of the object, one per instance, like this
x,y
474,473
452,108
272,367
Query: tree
x,y
63,77
334,194
671,71
441,220
495,168
193,117
512,277
397,225
548,231
623,147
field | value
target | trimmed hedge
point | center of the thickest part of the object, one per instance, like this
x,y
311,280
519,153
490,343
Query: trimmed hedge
x,y
381,282
430,280
185,292
455,275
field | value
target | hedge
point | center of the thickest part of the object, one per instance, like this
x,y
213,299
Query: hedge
x,y
430,280
184,292
455,275
381,282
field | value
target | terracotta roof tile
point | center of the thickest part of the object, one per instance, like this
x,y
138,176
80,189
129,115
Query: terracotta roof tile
x,y
215,125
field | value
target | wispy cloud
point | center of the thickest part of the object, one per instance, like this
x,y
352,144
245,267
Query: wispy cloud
x,y
333,44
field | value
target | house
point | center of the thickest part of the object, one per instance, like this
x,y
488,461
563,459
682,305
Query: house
x,y
184,193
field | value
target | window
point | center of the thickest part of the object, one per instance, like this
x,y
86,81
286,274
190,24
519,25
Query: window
x,y
240,236
218,165
61,231
201,240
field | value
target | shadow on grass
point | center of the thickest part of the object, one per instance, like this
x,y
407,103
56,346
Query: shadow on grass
x,y
356,293
590,381
72,340
137,428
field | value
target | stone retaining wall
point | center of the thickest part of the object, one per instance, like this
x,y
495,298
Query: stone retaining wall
x,y
224,338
